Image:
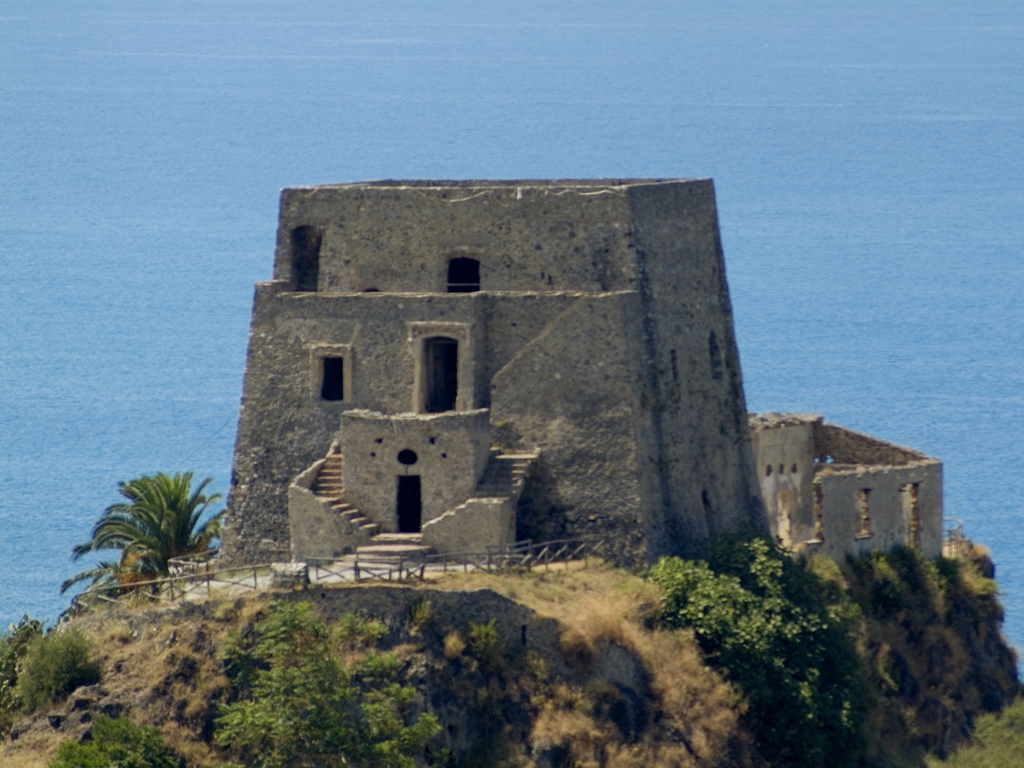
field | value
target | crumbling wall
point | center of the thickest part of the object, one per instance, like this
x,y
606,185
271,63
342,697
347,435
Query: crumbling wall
x,y
846,446
785,466
853,493
888,509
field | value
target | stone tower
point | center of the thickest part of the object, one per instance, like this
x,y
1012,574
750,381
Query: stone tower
x,y
482,361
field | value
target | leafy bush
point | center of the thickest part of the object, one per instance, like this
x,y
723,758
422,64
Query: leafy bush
x,y
998,742
54,665
13,646
486,644
784,636
116,743
311,707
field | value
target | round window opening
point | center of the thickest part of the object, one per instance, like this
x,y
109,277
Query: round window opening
x,y
407,457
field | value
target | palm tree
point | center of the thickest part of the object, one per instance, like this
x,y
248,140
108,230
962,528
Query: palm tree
x,y
159,521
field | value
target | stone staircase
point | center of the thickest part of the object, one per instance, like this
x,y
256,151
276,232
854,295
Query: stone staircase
x,y
329,488
488,518
499,487
504,476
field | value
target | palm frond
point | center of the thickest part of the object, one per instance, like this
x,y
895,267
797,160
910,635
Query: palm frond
x,y
159,520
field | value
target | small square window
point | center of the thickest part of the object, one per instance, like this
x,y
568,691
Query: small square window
x,y
330,374
333,385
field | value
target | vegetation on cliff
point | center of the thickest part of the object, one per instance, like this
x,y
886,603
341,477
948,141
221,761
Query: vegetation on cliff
x,y
784,636
749,659
313,695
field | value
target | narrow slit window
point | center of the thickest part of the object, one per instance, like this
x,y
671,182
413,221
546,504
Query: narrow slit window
x,y
305,242
463,275
333,385
864,512
715,356
440,373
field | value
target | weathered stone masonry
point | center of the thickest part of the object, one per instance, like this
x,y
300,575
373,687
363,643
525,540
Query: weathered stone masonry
x,y
412,328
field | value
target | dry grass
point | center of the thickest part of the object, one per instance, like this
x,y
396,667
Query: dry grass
x,y
168,675
693,715
454,645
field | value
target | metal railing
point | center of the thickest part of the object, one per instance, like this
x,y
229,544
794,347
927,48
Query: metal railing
x,y
954,543
198,576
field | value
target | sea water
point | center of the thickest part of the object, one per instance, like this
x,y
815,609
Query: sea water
x,y
868,159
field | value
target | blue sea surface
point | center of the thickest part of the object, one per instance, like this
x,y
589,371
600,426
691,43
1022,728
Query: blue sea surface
x,y
868,159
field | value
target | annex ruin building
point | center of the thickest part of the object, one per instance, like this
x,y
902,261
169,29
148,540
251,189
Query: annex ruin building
x,y
458,365
830,490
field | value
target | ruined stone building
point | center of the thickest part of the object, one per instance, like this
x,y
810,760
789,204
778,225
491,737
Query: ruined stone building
x,y
831,490
459,365
453,366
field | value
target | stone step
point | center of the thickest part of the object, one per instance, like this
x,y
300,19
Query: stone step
x,y
493,493
391,537
393,550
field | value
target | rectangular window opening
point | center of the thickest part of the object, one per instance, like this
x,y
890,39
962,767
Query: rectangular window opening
x,y
333,385
912,513
463,275
441,374
305,242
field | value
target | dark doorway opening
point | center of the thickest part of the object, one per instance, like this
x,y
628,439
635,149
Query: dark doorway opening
x,y
463,275
305,257
409,506
333,387
441,373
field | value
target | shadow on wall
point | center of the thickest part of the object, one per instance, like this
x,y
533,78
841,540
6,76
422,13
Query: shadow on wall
x,y
541,515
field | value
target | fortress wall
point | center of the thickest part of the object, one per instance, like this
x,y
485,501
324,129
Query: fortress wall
x,y
513,320
699,423
284,425
635,397
528,236
569,394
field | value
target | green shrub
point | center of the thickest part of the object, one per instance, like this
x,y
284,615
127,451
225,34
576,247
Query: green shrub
x,y
13,646
486,645
116,743
54,665
784,636
998,742
308,707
